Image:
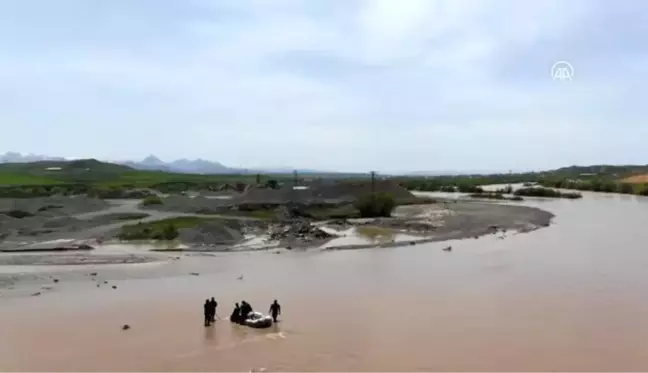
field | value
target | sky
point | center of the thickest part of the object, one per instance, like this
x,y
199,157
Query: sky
x,y
346,85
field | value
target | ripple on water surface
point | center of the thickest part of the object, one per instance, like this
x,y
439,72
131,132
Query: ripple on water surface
x,y
574,292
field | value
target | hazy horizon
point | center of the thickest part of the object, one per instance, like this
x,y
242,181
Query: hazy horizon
x,y
288,168
331,85
263,167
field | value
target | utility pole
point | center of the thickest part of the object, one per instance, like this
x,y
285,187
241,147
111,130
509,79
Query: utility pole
x,y
373,182
294,187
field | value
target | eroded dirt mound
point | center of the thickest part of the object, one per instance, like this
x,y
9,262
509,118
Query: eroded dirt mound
x,y
257,195
302,230
323,192
197,205
358,189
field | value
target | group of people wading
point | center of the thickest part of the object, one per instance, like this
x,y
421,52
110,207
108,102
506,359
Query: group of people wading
x,y
239,314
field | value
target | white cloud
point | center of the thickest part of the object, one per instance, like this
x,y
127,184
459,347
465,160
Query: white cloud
x,y
396,79
394,21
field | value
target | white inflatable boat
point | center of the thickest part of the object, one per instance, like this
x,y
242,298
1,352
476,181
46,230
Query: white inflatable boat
x,y
258,320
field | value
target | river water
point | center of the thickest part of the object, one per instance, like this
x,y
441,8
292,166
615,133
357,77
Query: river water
x,y
571,297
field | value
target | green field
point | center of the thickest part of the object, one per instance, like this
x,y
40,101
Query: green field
x,y
14,178
108,180
102,174
132,178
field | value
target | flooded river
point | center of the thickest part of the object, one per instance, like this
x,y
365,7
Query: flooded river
x,y
572,297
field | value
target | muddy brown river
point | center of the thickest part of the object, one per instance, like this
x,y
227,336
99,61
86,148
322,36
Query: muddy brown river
x,y
571,297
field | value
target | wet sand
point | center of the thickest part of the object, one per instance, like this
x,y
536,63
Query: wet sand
x,y
570,297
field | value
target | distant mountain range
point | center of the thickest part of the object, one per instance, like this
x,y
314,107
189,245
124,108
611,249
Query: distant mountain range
x,y
197,166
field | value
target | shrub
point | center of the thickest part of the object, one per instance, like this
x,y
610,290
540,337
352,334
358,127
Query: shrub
x,y
151,200
448,189
609,187
495,195
545,192
135,232
168,232
626,188
142,231
467,188
376,205
488,195
644,191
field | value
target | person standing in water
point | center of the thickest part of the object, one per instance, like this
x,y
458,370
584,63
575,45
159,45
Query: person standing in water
x,y
207,309
212,309
275,310
236,314
245,310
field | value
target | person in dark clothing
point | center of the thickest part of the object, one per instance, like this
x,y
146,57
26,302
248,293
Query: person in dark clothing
x,y
242,313
207,309
275,310
236,314
212,309
245,310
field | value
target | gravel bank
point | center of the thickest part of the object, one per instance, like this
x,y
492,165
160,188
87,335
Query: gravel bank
x,y
212,233
192,205
443,222
53,206
429,223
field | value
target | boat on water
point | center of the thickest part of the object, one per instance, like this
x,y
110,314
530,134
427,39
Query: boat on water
x,y
258,320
